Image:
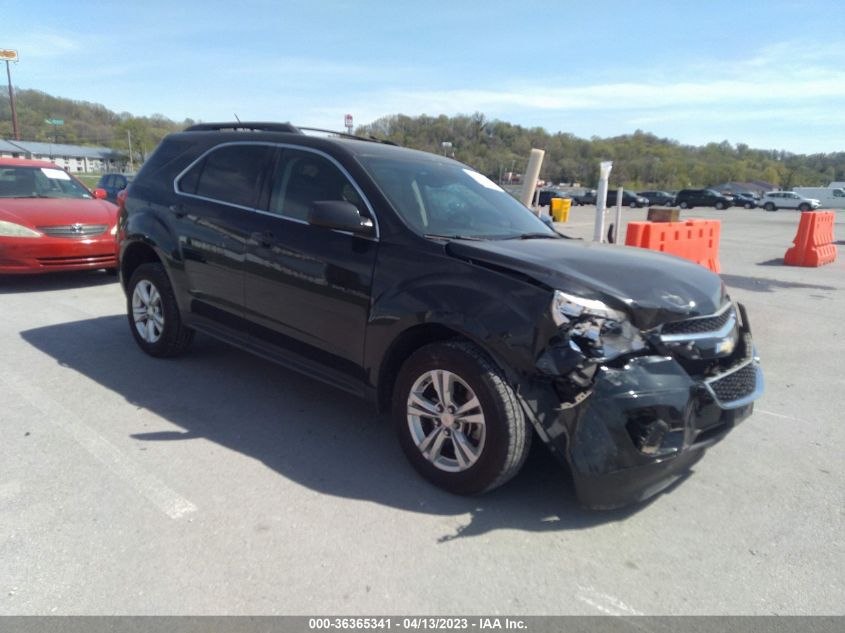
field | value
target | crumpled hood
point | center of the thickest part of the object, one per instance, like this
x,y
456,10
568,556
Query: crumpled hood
x,y
34,212
655,287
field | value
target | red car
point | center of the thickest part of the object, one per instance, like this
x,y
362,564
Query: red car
x,y
50,221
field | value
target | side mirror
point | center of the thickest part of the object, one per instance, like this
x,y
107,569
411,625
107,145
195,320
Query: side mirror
x,y
100,194
339,215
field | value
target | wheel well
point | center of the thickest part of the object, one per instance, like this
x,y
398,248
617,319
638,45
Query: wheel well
x,y
135,255
406,344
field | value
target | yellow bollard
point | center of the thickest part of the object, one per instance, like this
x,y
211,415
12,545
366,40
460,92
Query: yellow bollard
x,y
560,209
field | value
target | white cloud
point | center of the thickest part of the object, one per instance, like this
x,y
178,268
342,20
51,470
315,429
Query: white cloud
x,y
45,44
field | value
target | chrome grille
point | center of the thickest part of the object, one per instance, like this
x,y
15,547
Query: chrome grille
x,y
74,230
699,325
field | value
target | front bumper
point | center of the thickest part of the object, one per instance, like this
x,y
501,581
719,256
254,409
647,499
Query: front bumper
x,y
645,423
49,254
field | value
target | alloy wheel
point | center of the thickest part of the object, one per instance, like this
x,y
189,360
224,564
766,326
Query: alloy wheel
x,y
446,420
147,311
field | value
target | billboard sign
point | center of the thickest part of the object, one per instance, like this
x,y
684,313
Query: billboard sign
x,y
9,55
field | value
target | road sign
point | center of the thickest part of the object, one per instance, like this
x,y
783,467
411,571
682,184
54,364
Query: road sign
x,y
54,121
8,55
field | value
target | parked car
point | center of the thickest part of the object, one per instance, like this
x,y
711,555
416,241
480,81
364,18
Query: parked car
x,y
629,199
747,200
773,200
544,197
689,198
49,221
661,198
114,184
414,281
588,197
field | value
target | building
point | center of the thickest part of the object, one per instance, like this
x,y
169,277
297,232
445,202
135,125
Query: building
x,y
74,158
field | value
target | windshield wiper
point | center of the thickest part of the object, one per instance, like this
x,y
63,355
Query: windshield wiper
x,y
532,236
454,237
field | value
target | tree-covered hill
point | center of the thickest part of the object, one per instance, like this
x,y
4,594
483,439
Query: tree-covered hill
x,y
84,123
640,160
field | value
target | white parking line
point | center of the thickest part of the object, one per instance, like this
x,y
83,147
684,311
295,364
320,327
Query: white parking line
x,y
605,603
156,492
777,415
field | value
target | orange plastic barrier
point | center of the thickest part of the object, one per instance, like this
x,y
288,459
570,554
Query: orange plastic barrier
x,y
814,241
696,240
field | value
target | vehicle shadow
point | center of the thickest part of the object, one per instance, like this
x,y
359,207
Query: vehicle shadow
x,y
16,284
309,433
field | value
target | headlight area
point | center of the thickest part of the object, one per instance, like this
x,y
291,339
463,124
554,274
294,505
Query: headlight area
x,y
10,229
590,333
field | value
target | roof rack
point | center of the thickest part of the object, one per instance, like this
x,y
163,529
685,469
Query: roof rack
x,y
238,125
371,139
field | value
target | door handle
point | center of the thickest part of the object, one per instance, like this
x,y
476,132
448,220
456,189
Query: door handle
x,y
263,238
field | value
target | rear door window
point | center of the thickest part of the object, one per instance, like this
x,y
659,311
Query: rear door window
x,y
232,174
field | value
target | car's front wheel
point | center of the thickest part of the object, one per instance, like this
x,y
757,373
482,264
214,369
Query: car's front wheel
x,y
684,205
803,207
458,420
748,205
154,318
769,206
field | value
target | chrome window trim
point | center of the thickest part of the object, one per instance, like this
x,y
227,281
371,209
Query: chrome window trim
x,y
303,148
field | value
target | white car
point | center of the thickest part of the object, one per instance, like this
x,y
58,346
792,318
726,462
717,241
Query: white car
x,y
788,200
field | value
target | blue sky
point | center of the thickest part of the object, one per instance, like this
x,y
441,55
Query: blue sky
x,y
769,74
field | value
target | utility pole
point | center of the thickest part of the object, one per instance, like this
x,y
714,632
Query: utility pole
x,y
129,139
11,56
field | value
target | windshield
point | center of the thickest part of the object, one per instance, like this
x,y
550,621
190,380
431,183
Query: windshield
x,y
440,199
39,182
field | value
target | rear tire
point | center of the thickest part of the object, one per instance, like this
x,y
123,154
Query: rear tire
x,y
684,205
458,420
153,313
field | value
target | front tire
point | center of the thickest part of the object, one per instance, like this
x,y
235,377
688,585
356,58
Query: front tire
x,y
153,313
458,420
803,207
720,206
769,206
684,205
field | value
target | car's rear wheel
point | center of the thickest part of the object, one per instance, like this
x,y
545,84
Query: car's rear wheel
x,y
154,318
457,419
684,205
769,206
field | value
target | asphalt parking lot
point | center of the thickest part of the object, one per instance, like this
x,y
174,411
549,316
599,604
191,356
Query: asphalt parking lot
x,y
219,483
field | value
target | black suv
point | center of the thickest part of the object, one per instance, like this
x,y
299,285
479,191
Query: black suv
x,y
414,281
689,198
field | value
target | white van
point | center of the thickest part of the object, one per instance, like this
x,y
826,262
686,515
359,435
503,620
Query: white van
x,y
828,197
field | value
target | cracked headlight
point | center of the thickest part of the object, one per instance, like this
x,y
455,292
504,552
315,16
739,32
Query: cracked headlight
x,y
594,328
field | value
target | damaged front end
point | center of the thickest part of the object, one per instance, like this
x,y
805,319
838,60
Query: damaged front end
x,y
631,409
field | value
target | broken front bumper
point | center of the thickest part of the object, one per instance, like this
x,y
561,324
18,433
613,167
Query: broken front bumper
x,y
645,423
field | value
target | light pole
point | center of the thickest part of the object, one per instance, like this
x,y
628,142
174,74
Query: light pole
x,y
9,55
